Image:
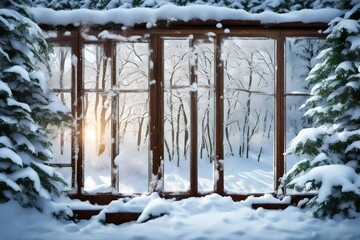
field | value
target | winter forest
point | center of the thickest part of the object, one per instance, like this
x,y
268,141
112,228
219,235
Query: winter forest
x,y
145,102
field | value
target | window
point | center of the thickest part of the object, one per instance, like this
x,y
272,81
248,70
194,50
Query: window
x,y
181,112
63,138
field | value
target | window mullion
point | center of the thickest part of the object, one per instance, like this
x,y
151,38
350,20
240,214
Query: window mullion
x,y
280,111
79,96
74,70
110,49
156,119
219,119
193,129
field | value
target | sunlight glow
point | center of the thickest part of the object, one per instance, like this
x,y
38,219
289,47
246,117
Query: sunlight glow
x,y
91,134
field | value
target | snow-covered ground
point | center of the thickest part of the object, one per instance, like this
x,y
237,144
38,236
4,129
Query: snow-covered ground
x,y
210,217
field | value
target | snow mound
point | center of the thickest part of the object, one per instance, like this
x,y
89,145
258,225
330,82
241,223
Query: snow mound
x,y
154,209
266,198
210,217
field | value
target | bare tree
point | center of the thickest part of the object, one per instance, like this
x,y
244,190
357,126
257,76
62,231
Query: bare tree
x,y
247,72
204,69
64,53
176,108
132,74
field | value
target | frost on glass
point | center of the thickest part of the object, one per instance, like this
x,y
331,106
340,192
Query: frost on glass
x,y
300,54
249,80
132,101
204,71
96,119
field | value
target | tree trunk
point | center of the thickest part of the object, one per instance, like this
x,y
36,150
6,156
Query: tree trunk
x,y
61,81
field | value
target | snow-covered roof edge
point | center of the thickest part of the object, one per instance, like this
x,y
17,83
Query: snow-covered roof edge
x,y
130,17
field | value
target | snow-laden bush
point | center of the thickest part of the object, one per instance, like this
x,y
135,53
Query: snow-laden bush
x,y
334,108
27,107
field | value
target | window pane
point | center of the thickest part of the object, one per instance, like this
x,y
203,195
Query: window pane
x,y
300,56
66,172
177,140
206,149
249,64
176,62
133,138
294,123
248,142
176,115
97,142
203,53
205,63
248,115
60,65
97,132
97,68
61,136
132,63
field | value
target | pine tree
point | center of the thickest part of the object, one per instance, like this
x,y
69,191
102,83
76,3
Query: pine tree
x,y
334,109
27,107
60,4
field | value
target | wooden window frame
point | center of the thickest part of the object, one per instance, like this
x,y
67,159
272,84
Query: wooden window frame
x,y
278,32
